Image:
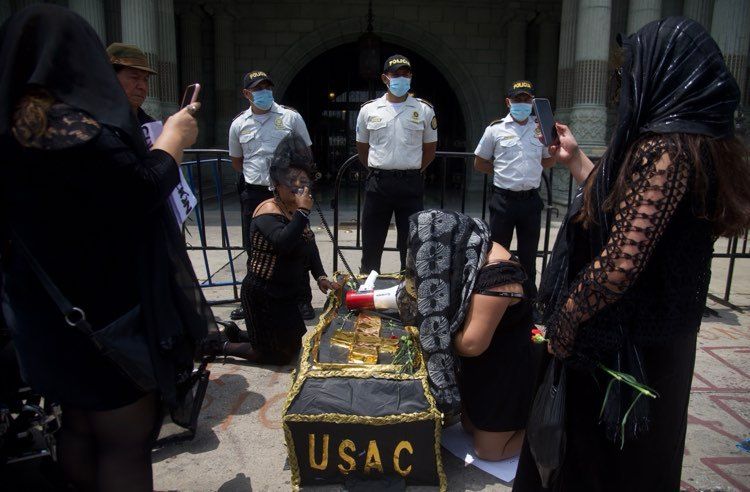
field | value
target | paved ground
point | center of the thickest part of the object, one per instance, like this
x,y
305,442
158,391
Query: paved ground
x,y
240,445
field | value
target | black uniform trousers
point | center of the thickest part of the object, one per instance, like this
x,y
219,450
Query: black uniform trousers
x,y
387,193
522,211
250,198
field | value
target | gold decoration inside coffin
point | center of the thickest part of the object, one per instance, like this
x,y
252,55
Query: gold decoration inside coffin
x,y
364,343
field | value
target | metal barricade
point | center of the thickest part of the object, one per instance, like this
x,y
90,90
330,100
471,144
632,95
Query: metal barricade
x,y
442,159
214,249
207,233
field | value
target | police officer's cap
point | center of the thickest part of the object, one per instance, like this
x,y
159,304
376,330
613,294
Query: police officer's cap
x,y
128,55
255,77
521,87
395,62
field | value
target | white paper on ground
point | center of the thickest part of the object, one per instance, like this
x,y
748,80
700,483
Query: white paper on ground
x,y
460,444
181,200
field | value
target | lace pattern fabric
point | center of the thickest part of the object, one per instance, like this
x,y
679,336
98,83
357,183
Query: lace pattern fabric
x,y
40,122
660,179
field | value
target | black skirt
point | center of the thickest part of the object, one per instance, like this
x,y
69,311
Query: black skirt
x,y
497,386
652,462
274,324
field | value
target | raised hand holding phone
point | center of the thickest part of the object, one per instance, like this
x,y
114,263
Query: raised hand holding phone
x,y
546,121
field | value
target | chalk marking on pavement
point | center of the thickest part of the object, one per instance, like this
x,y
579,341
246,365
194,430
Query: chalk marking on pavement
x,y
270,424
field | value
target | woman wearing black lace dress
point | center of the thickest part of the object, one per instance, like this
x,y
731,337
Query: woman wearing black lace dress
x,y
628,279
281,241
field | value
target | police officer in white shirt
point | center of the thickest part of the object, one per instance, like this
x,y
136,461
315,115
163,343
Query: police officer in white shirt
x,y
396,139
253,138
511,152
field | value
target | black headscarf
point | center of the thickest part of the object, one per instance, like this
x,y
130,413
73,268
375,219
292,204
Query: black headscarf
x,y
674,80
54,48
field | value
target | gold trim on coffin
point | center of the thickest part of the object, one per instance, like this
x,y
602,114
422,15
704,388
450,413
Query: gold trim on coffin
x,y
384,371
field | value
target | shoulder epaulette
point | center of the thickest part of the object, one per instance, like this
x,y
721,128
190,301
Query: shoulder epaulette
x,y
495,122
367,102
289,108
425,101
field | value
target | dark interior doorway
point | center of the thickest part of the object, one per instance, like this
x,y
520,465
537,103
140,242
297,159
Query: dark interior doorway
x,y
329,91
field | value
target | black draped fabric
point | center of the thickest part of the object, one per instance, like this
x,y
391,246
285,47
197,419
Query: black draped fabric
x,y
53,47
674,80
97,221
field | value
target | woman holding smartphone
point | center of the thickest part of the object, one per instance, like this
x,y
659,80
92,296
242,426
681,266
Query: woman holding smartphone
x,y
627,282
84,201
281,241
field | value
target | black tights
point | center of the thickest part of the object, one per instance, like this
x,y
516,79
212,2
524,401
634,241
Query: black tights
x,y
110,450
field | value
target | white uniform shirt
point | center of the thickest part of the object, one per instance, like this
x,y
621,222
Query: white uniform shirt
x,y
515,152
255,138
396,135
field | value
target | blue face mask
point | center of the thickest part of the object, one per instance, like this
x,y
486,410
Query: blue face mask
x,y
399,86
520,111
263,99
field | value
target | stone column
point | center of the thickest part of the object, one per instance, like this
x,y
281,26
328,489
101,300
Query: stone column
x,y
515,50
167,79
93,12
190,61
225,85
139,27
566,60
730,28
699,10
546,71
641,12
589,115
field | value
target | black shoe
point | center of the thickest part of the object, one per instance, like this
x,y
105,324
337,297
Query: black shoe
x,y
233,333
306,310
236,314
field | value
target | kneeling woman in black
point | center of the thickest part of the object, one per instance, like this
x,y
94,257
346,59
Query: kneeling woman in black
x,y
497,363
281,242
470,303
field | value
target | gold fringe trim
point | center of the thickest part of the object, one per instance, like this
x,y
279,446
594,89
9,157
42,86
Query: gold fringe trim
x,y
384,371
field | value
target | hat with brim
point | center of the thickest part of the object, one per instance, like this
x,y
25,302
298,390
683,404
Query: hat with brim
x,y
251,79
393,63
521,87
128,55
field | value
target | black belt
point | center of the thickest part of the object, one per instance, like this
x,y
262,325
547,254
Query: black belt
x,y
515,194
395,172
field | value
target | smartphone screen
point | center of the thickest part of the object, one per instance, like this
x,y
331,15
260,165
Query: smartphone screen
x,y
191,95
546,120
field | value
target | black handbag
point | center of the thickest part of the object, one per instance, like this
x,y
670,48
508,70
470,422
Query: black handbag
x,y
122,341
545,430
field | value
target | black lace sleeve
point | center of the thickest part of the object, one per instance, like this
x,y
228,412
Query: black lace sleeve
x,y
658,184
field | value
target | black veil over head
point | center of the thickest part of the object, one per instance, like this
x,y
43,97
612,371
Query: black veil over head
x,y
674,80
54,48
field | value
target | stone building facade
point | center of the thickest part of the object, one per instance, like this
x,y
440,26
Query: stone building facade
x,y
478,46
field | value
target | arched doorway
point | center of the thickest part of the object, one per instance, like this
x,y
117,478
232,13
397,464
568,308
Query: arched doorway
x,y
328,91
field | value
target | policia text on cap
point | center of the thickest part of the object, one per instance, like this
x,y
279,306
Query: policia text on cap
x,y
396,139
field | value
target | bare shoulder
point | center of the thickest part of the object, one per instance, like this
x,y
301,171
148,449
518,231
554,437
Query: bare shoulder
x,y
498,253
267,207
